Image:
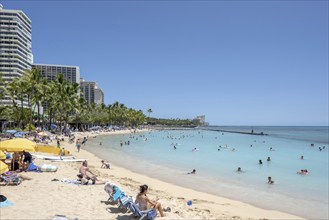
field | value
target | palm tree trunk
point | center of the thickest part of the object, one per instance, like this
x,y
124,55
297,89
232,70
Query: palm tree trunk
x,y
38,105
50,117
60,121
22,114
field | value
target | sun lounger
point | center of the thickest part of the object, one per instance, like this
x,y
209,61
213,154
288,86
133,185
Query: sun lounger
x,y
149,214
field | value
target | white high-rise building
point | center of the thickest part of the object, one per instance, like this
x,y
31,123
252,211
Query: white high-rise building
x,y
15,46
99,96
88,91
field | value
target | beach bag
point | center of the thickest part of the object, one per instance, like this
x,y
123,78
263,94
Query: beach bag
x,y
152,214
3,198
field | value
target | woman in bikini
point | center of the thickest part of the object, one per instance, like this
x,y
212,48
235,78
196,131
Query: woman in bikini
x,y
145,203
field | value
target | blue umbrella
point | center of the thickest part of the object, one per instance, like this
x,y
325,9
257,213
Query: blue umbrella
x,y
53,126
11,131
20,134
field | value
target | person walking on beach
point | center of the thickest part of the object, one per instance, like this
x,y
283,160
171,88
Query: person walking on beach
x,y
84,141
145,203
78,144
58,143
62,152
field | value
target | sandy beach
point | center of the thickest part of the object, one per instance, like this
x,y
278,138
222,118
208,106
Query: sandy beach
x,y
42,198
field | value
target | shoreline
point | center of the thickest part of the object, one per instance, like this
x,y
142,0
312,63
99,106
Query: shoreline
x,y
205,206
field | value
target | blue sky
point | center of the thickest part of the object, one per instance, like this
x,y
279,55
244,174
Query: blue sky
x,y
237,62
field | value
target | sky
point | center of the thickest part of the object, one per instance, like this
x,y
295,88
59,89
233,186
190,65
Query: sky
x,y
236,62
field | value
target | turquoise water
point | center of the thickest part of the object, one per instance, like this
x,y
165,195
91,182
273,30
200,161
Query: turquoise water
x,y
153,154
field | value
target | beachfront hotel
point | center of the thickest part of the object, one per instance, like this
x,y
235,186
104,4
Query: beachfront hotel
x,y
99,96
87,91
91,92
15,46
49,72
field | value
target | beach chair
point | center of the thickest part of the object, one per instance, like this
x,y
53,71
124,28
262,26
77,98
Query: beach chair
x,y
149,214
109,189
116,195
11,179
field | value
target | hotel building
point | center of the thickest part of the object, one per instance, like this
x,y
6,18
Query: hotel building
x,y
15,46
49,72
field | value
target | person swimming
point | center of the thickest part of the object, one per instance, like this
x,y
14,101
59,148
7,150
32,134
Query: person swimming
x,y
270,181
195,149
268,159
193,172
303,172
260,162
239,169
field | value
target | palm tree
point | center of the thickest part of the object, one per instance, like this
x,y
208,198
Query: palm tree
x,y
32,85
16,90
149,111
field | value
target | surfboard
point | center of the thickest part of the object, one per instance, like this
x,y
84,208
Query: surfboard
x,y
69,160
46,157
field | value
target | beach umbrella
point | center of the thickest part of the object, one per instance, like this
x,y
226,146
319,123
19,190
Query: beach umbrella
x,y
3,167
2,155
43,134
17,145
20,134
11,131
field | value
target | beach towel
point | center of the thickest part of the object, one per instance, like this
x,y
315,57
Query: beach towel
x,y
6,203
118,193
32,167
76,182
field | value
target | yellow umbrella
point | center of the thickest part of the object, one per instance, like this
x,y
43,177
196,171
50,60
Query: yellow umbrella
x,y
2,155
18,144
3,167
43,134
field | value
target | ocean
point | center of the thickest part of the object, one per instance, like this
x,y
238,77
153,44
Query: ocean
x,y
168,155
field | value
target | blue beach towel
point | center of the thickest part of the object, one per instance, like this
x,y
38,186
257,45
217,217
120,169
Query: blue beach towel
x,y
32,167
6,203
118,193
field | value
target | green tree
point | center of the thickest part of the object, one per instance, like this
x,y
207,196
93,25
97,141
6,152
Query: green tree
x,y
149,111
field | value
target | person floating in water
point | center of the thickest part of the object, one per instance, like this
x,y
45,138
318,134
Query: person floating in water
x,y
193,172
303,172
302,157
268,159
270,181
260,162
195,149
239,169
